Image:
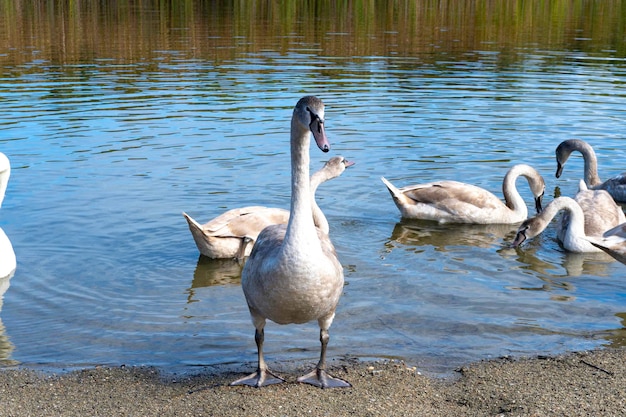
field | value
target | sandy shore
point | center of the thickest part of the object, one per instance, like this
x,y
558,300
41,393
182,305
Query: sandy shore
x,y
577,384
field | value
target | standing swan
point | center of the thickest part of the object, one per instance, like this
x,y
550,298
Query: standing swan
x,y
232,233
457,202
7,255
615,186
293,274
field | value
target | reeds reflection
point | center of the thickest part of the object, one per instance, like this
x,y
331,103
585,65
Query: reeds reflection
x,y
58,32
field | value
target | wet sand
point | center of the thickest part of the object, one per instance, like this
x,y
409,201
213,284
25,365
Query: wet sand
x,y
576,384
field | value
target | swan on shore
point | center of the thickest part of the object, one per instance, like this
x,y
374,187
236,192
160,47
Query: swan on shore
x,y
293,274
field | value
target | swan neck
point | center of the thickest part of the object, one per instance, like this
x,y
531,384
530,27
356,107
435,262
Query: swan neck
x,y
591,164
301,217
512,197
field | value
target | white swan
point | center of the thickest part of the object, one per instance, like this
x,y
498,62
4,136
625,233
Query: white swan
x,y
572,233
600,209
457,202
7,255
613,242
229,235
615,186
293,274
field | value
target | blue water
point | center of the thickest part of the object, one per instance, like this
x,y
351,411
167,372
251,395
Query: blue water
x,y
106,157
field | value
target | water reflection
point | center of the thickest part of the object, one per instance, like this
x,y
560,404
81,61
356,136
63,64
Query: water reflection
x,y
6,347
214,272
420,233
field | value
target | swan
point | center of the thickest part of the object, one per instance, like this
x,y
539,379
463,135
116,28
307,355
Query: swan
x,y
457,202
229,235
613,242
7,255
293,274
615,186
574,231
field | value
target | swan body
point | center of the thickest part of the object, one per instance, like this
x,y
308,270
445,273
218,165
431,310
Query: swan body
x,y
458,202
600,210
613,242
615,186
7,254
293,274
229,235
572,234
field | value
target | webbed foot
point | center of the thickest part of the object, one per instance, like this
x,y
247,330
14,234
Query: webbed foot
x,y
320,378
259,379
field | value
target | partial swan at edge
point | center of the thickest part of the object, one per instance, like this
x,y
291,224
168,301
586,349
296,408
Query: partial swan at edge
x,y
8,261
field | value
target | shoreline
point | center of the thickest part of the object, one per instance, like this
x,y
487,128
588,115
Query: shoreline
x,y
572,384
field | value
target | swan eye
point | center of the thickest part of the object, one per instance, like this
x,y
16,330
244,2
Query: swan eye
x,y
315,118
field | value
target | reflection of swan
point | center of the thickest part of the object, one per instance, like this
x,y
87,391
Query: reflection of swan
x,y
616,186
230,234
457,202
6,347
293,274
210,272
613,242
419,233
7,255
572,235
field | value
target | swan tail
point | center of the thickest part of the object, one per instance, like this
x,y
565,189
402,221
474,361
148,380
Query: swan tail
x,y
395,192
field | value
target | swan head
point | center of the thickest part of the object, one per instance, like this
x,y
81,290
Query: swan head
x,y
309,113
524,232
336,165
565,149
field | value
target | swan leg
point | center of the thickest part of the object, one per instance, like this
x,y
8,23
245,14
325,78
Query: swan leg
x,y
319,377
263,376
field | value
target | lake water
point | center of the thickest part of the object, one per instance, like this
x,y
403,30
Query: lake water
x,y
117,126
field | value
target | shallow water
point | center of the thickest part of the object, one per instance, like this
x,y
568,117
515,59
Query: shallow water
x,y
108,149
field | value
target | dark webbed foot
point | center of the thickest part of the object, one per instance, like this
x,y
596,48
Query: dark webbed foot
x,y
320,378
259,379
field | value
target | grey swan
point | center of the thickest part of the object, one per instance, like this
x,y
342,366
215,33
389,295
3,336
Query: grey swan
x,y
615,186
458,202
587,216
293,274
232,233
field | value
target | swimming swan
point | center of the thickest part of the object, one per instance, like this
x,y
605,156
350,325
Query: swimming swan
x,y
232,234
293,274
573,232
457,202
7,255
615,186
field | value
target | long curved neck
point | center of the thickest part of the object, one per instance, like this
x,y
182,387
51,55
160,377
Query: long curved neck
x,y
576,224
591,163
300,226
512,197
318,215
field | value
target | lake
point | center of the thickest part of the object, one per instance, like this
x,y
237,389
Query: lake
x,y
119,117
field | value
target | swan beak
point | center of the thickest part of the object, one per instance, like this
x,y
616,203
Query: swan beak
x,y
317,128
348,163
519,238
538,203
559,169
